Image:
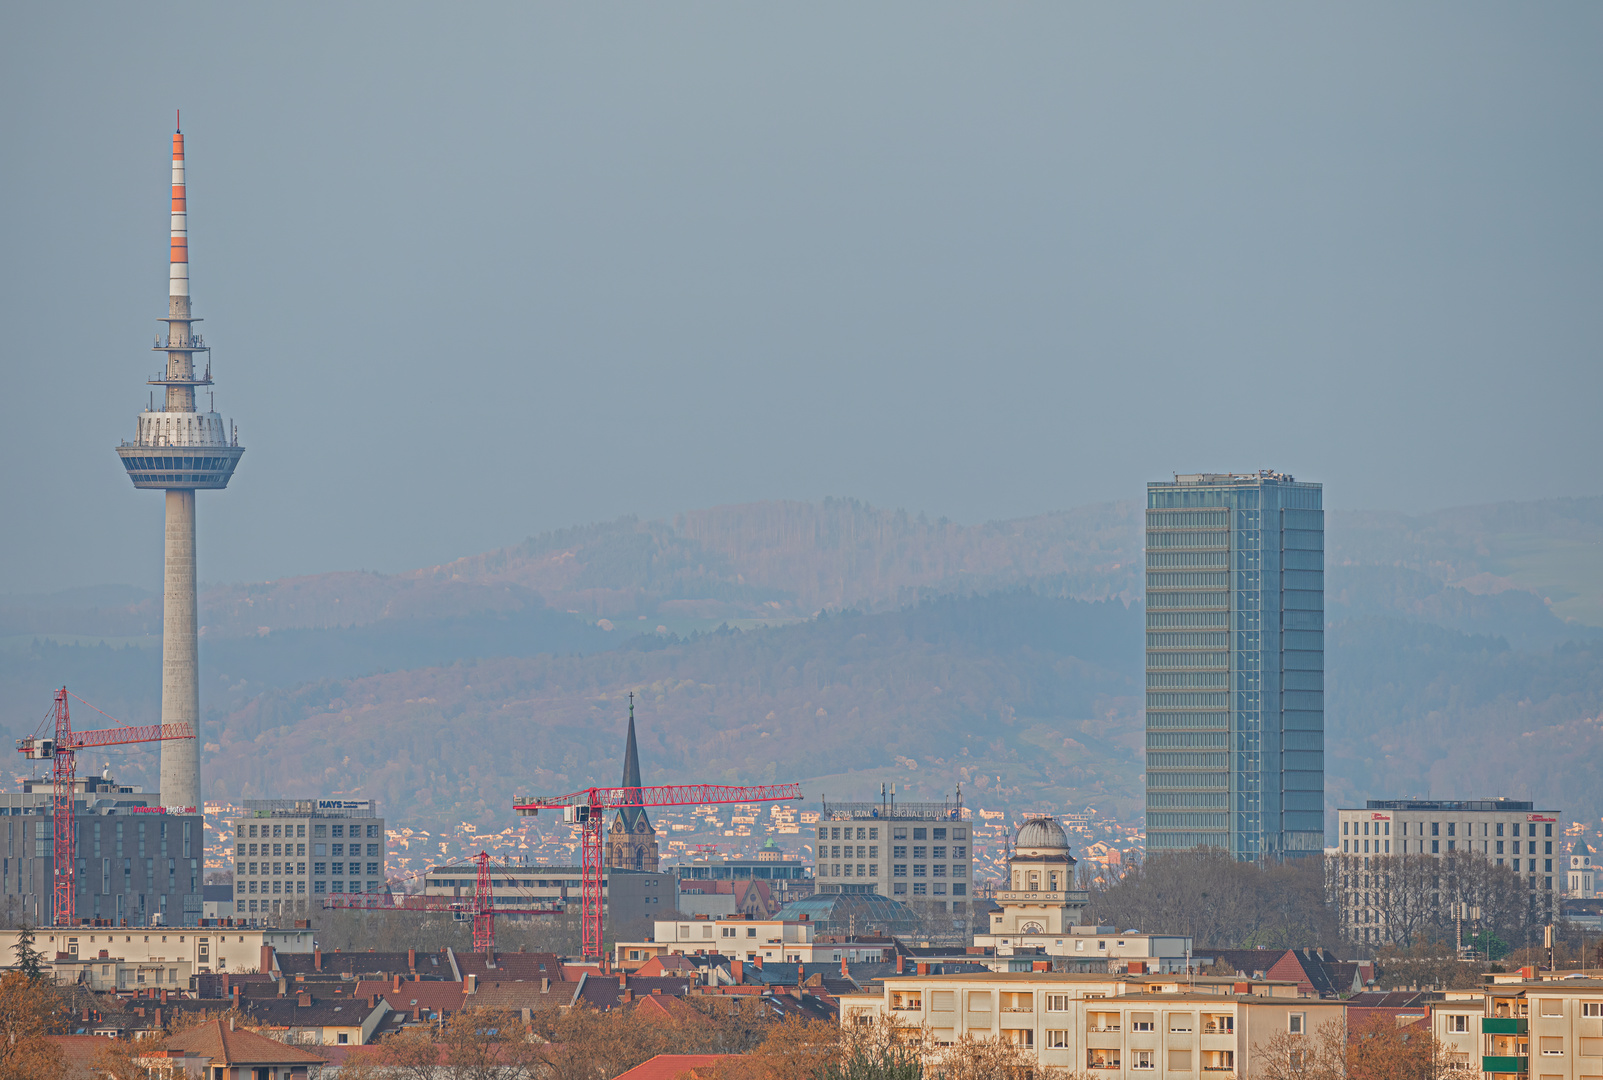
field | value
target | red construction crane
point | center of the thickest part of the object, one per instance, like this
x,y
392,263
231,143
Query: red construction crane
x,y
62,752
587,808
481,904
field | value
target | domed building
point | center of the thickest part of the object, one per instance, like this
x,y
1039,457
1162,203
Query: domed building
x,y
1039,897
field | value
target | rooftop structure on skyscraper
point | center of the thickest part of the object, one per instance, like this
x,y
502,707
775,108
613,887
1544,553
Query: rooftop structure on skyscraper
x,y
179,449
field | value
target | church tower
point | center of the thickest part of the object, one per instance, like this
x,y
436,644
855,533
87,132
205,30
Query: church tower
x,y
1039,898
631,842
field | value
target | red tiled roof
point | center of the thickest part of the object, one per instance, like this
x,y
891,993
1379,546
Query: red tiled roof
x,y
669,1066
78,1052
415,996
225,1047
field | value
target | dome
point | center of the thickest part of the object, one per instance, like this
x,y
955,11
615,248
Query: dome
x,y
1042,834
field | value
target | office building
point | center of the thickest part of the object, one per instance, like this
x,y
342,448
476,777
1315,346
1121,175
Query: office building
x,y
1506,832
179,450
137,865
627,896
918,853
1235,665
289,853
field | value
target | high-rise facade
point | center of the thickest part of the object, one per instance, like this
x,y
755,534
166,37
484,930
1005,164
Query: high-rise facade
x,y
1235,712
289,850
178,449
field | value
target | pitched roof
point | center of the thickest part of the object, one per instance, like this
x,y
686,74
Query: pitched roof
x,y
78,1052
225,1047
604,993
434,997
360,963
510,966
672,964
669,1066
522,994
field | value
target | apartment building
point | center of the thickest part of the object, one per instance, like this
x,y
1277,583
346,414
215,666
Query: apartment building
x,y
1526,1028
288,852
1507,832
918,853
136,958
1152,1026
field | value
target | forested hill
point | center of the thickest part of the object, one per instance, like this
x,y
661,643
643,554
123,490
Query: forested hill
x,y
1458,642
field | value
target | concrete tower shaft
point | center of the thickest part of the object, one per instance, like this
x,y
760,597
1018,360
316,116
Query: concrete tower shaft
x,y
179,449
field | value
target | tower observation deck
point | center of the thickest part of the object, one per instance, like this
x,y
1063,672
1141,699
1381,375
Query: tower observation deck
x,y
179,449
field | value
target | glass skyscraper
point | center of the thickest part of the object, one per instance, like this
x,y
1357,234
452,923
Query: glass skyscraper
x,y
1235,665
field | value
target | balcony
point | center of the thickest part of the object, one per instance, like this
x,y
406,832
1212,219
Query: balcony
x,y
1505,1025
1506,1065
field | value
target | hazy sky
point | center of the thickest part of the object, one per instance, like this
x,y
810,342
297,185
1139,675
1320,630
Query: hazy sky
x,y
473,271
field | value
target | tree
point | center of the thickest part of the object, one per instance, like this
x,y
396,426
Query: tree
x,y
1319,1055
30,961
29,1011
1379,1049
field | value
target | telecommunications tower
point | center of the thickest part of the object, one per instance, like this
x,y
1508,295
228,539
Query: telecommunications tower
x,y
178,449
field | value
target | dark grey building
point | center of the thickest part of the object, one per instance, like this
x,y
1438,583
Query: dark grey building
x,y
1235,665
136,863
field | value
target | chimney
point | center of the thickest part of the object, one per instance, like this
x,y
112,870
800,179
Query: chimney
x,y
158,1020
473,984
164,995
267,959
1041,965
623,980
236,997
899,959
758,961
923,967
1241,988
843,972
1528,974
317,958
737,972
397,986
303,1000
411,959
801,974
545,985
626,997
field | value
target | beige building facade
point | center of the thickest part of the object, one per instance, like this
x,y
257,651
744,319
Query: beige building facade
x,y
1137,1026
1548,1029
919,853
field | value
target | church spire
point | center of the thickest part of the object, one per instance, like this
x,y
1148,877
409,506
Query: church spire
x,y
631,753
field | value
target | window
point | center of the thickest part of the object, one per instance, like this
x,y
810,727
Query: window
x,y
1435,828
920,852
1552,1006
1059,1003
1458,1023
1142,1022
1142,1059
1592,1008
918,834
959,834
751,931
1344,828
939,852
1549,830
1296,1023
1435,847
1532,831
898,834
919,888
937,834
1451,829
979,1001
1552,1046
1499,833
1180,1022
1057,1040
1500,843
943,1000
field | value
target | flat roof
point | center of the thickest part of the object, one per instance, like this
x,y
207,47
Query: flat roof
x,y
1449,805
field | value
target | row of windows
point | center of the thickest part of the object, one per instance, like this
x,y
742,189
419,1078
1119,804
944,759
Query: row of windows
x,y
1188,659
1174,740
209,463
1210,540
292,830
1205,600
1193,519
1188,620
1188,560
1188,579
1187,761
1194,639
899,832
291,869
1189,780
1188,821
935,889
1194,700
318,887
1383,828
1189,800
373,850
1197,680
1219,719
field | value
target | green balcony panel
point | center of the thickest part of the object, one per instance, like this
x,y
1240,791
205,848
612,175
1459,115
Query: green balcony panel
x,y
1505,1025
1506,1064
